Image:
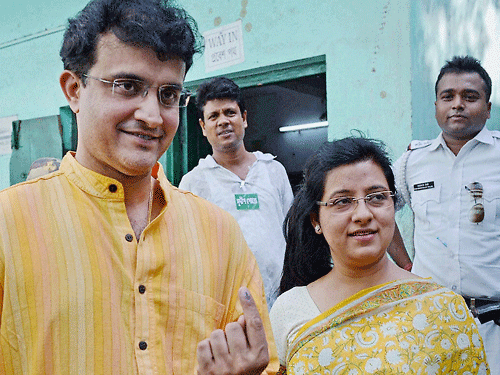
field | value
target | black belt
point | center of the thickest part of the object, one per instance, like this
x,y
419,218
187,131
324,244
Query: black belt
x,y
484,309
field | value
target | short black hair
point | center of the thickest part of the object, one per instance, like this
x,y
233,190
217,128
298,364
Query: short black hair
x,y
465,64
307,254
168,30
218,88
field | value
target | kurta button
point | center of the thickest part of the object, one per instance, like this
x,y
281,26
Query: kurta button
x,y
129,237
142,289
113,188
143,345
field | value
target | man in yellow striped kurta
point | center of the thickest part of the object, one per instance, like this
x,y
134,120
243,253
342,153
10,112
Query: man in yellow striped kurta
x,y
105,268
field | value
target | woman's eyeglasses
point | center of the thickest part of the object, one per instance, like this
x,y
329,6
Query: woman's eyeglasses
x,y
345,205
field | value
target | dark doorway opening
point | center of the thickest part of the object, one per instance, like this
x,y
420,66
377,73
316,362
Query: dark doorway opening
x,y
291,93
292,102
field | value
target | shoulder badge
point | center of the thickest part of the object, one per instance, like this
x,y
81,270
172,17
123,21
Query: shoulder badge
x,y
495,133
419,144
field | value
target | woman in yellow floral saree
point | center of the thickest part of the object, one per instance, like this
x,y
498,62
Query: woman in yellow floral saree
x,y
344,307
402,327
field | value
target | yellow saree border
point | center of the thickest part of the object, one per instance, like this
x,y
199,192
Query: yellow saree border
x,y
363,302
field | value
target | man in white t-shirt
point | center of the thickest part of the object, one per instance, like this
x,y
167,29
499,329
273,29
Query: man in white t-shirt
x,y
252,186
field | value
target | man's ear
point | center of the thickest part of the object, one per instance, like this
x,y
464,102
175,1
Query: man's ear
x,y
71,85
202,124
244,117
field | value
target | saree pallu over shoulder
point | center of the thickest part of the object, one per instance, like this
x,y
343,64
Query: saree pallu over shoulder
x,y
402,327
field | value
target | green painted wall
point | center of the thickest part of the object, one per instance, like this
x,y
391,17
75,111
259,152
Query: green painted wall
x,y
366,44
440,30
382,56
30,68
367,49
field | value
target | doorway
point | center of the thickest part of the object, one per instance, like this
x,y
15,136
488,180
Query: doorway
x,y
277,105
287,94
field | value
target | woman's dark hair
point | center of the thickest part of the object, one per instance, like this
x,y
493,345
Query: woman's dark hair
x,y
169,31
307,255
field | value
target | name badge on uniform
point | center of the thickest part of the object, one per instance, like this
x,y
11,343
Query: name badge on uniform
x,y
423,186
247,201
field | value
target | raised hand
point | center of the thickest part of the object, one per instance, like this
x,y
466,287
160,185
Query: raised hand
x,y
240,349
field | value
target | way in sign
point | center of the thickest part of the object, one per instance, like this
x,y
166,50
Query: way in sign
x,y
221,55
222,39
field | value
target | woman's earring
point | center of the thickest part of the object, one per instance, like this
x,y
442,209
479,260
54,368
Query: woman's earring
x,y
318,229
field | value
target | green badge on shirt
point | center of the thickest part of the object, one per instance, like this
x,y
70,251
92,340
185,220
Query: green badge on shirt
x,y
247,201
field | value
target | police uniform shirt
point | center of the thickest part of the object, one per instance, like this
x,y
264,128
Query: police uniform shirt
x,y
449,247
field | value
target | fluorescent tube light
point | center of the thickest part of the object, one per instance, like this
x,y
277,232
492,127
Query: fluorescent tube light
x,y
294,128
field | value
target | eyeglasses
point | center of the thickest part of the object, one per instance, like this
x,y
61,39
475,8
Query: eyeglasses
x,y
168,95
345,205
476,213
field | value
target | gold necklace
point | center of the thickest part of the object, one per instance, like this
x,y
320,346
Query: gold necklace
x,y
150,205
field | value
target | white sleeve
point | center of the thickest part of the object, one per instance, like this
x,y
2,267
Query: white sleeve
x,y
277,315
287,195
286,192
399,170
184,184
289,313
191,182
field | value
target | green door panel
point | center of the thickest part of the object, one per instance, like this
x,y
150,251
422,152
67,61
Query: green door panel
x,y
33,139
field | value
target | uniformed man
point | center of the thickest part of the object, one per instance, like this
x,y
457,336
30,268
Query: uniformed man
x,y
452,184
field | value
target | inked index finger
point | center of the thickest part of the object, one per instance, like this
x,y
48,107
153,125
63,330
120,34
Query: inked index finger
x,y
256,335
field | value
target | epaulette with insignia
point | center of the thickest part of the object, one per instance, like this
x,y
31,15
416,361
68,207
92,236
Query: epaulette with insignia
x,y
495,133
401,174
418,144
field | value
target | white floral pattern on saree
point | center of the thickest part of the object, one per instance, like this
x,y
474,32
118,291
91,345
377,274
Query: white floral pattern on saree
x,y
403,327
